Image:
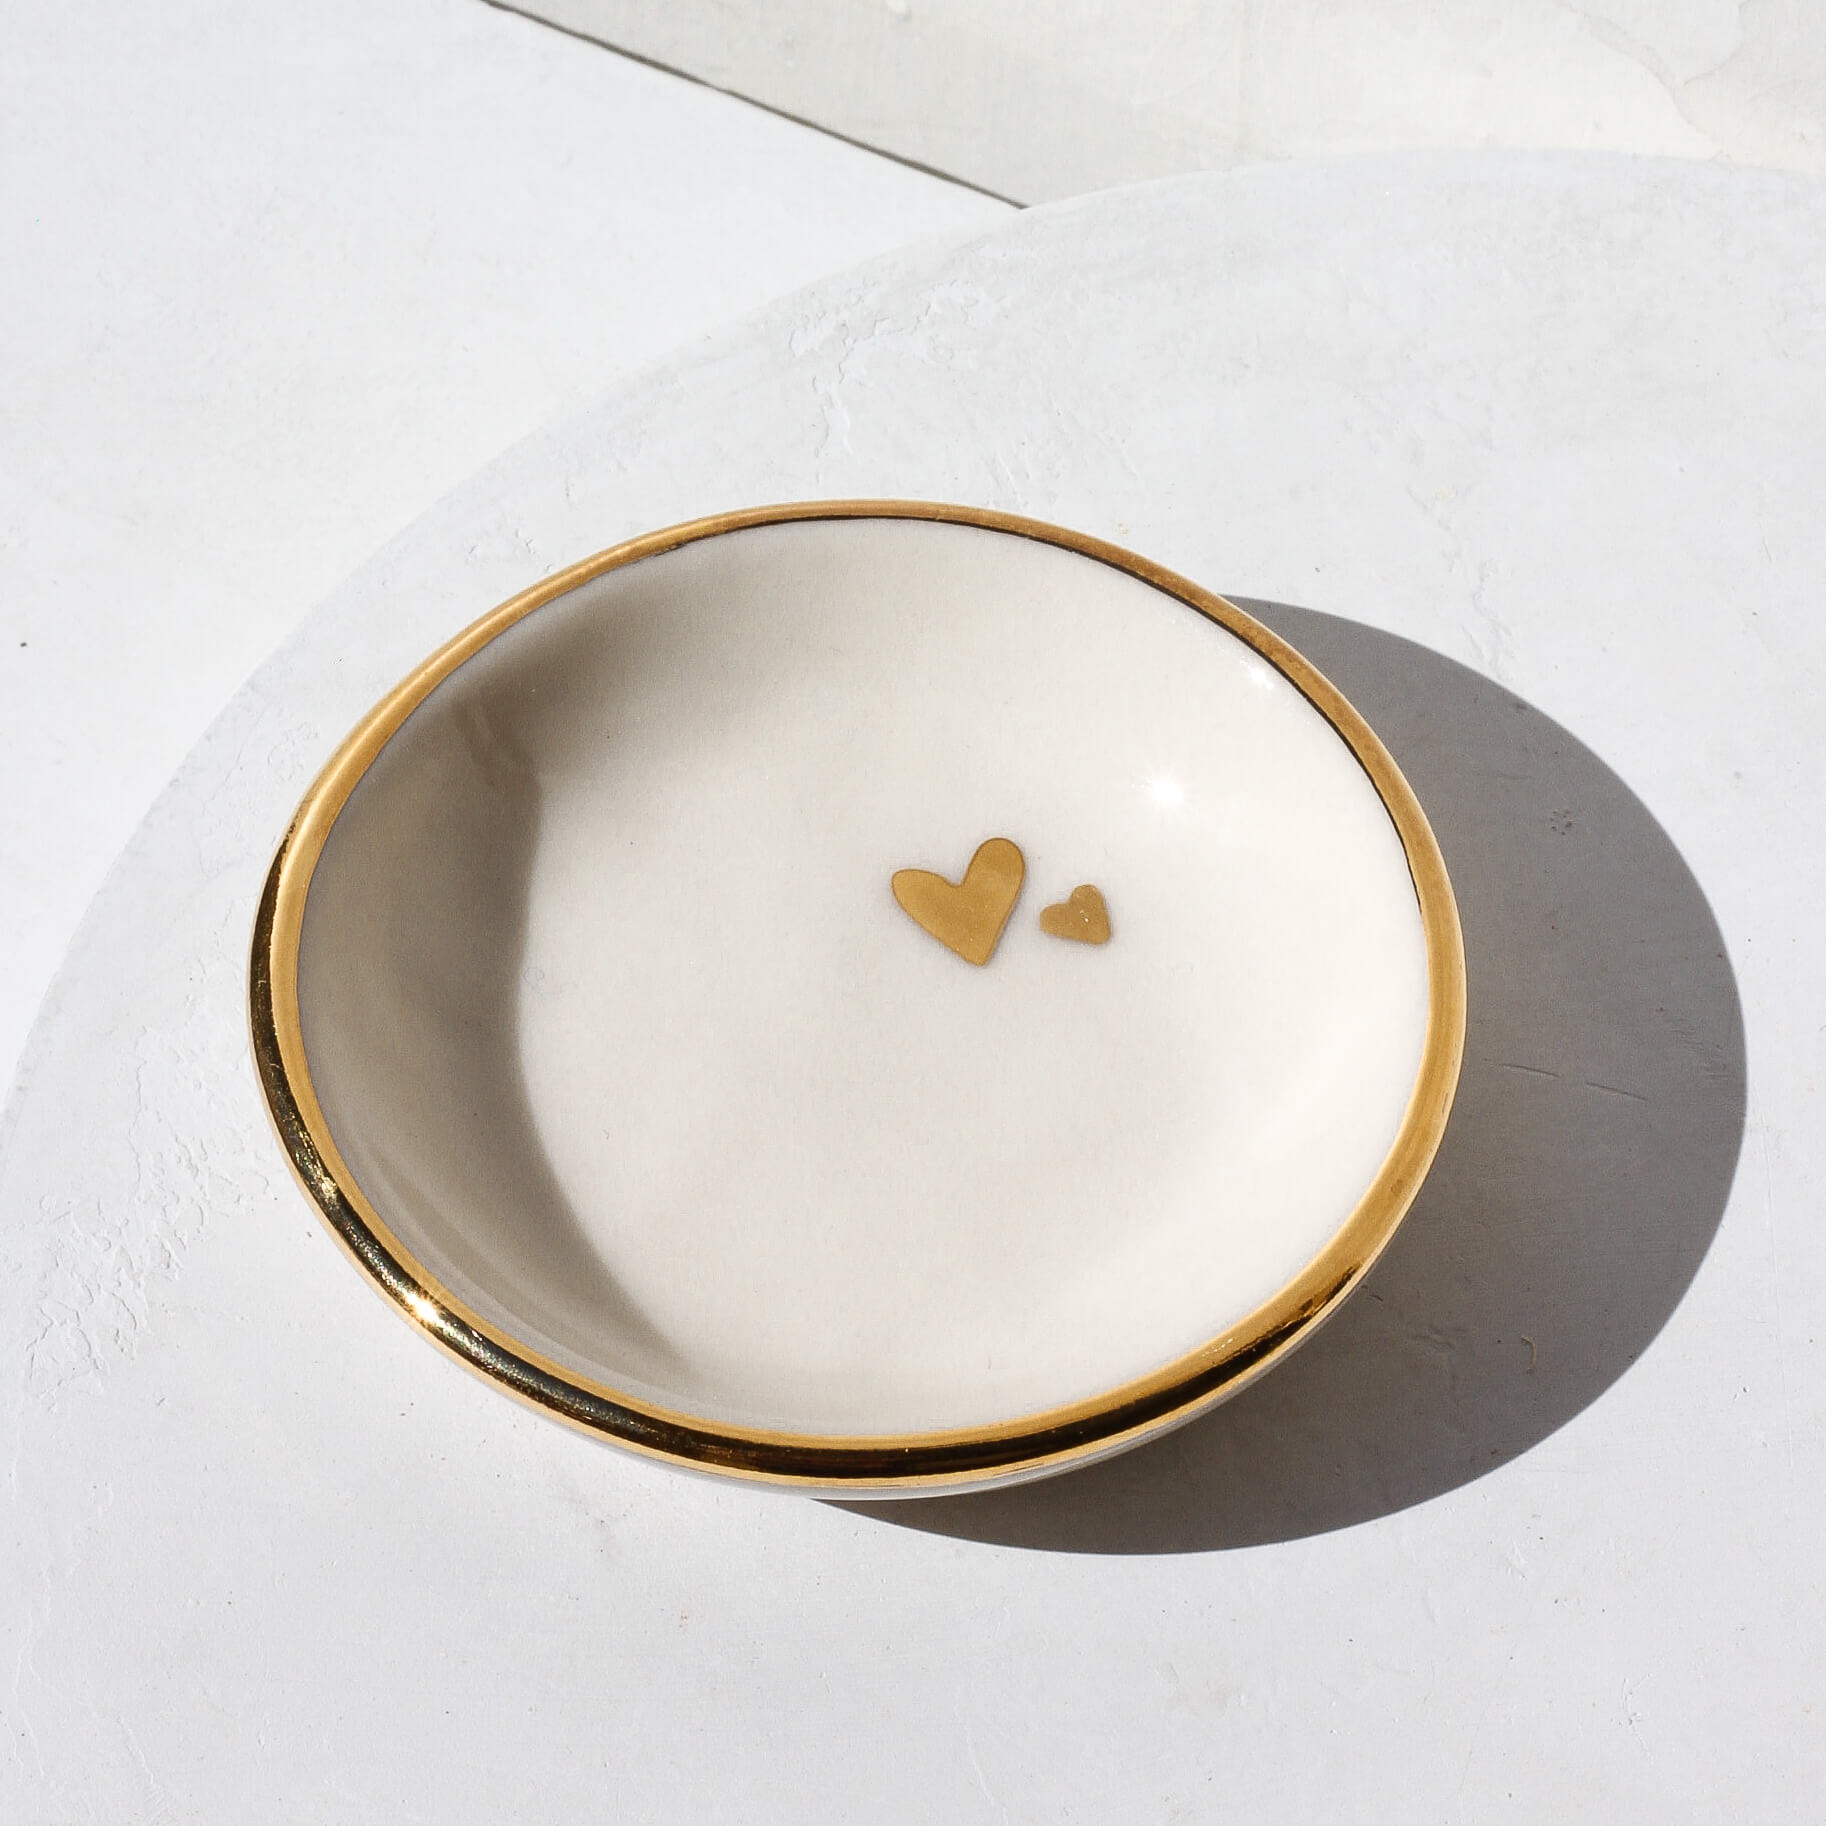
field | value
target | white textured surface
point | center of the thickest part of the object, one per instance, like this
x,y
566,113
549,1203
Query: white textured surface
x,y
614,1018
275,278
1529,1532
1034,100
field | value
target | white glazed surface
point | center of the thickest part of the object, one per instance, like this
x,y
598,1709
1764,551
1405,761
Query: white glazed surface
x,y
613,1015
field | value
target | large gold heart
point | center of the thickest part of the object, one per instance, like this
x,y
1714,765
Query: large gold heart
x,y
966,915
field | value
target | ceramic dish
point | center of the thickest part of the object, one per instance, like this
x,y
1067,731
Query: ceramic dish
x,y
865,996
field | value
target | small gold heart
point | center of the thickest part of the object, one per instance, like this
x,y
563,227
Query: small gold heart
x,y
1084,917
966,915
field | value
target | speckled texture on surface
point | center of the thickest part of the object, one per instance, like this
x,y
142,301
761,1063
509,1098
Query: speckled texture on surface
x,y
1529,1533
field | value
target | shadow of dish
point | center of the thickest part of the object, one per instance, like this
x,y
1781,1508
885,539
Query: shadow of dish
x,y
1580,1182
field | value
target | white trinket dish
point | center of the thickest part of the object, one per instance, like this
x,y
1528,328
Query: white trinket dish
x,y
862,996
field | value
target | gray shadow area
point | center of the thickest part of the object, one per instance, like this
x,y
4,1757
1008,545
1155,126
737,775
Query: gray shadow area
x,y
1580,1183
414,947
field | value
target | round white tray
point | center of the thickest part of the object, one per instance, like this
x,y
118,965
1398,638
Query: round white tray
x,y
1529,1530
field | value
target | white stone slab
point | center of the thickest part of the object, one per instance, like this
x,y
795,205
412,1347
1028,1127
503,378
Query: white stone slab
x,y
1530,1532
276,278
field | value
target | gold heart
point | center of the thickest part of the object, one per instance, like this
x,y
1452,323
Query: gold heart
x,y
1084,917
967,915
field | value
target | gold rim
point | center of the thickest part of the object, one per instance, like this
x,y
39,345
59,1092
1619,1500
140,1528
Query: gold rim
x,y
1007,1451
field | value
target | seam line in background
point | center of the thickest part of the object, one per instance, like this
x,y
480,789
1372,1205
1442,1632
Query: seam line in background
x,y
798,120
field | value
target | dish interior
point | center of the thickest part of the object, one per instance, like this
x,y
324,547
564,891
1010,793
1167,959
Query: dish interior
x,y
617,1022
